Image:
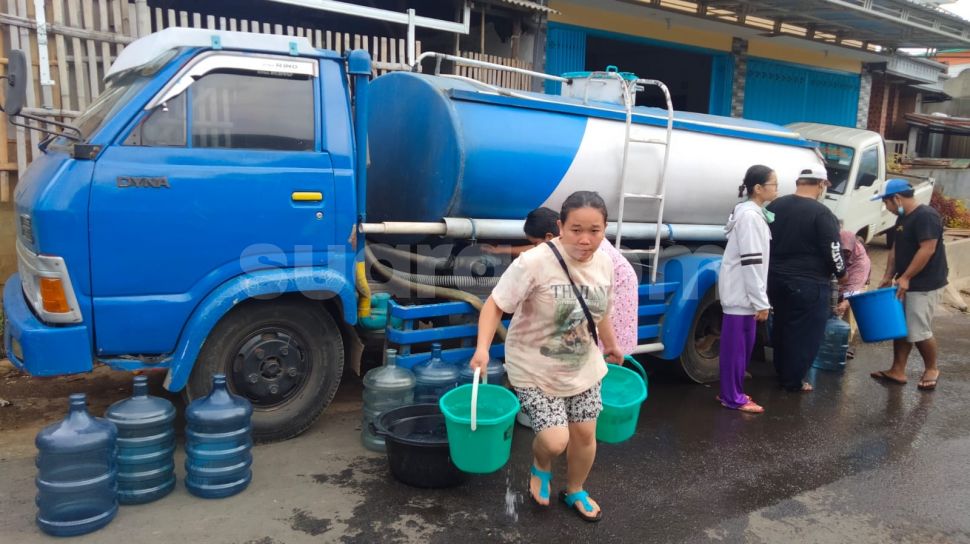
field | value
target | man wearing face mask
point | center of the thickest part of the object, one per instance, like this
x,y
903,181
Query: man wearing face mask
x,y
805,253
917,265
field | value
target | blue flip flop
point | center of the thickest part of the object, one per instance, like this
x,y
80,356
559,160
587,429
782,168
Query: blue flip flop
x,y
544,480
583,497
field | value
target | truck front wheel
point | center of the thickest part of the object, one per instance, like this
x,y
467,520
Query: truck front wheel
x,y
700,359
286,357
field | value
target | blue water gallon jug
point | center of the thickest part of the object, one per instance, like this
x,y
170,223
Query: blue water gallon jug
x,y
218,443
385,388
146,445
76,474
434,377
495,373
835,345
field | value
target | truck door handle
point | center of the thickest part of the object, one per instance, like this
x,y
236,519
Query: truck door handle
x,y
306,196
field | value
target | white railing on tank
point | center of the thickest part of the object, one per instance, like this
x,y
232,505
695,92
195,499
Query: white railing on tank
x,y
464,61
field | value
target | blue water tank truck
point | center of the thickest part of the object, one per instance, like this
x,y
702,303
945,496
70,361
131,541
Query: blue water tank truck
x,y
231,201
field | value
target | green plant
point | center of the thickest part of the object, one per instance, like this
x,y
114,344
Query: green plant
x,y
894,163
953,211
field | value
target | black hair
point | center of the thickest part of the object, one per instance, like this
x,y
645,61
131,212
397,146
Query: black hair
x,y
583,199
756,175
541,221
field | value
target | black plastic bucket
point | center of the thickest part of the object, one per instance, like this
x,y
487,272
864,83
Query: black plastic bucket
x,y
417,446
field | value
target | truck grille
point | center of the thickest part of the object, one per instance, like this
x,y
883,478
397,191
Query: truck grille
x,y
26,229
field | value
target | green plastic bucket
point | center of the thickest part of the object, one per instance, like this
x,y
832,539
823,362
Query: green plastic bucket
x,y
479,420
623,392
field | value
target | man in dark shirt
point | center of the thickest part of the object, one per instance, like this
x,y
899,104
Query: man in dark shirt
x,y
917,265
805,253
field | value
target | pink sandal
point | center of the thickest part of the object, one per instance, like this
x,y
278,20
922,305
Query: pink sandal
x,y
751,408
746,398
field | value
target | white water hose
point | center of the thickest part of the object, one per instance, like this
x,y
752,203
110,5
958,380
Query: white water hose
x,y
478,373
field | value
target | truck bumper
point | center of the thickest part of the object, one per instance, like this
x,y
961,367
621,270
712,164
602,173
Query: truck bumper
x,y
38,348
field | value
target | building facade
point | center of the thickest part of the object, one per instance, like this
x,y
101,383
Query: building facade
x,y
765,60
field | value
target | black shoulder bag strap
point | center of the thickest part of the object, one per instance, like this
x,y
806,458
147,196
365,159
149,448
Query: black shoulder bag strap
x,y
582,302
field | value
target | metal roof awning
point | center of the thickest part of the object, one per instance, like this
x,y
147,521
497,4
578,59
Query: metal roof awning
x,y
528,5
939,123
861,24
933,89
917,69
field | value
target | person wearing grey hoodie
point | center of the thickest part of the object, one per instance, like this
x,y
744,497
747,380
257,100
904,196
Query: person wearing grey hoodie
x,y
743,284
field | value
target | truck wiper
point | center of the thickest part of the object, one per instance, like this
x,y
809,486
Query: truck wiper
x,y
46,141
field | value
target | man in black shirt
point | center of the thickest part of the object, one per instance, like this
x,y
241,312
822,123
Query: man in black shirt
x,y
805,253
917,265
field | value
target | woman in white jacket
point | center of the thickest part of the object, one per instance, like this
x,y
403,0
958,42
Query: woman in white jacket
x,y
743,283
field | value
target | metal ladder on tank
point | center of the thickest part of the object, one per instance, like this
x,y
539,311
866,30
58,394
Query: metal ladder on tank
x,y
630,90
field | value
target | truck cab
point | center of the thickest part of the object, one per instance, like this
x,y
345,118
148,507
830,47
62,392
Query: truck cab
x,y
216,169
856,163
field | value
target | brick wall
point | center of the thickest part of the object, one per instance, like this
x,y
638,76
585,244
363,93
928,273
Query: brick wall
x,y
878,103
905,102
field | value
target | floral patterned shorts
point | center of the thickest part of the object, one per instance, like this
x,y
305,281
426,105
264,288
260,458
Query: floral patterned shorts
x,y
547,411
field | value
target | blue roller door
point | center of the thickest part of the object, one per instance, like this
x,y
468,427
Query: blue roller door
x,y
565,52
784,93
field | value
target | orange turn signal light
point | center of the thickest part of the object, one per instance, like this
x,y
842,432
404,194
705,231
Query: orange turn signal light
x,y
53,295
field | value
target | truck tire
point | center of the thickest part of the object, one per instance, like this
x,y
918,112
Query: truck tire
x,y
286,357
700,360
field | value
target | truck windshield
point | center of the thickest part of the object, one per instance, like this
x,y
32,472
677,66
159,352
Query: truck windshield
x,y
119,92
838,163
120,89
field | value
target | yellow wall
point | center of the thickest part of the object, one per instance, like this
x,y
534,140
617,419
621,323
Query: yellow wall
x,y
585,16
768,50
656,29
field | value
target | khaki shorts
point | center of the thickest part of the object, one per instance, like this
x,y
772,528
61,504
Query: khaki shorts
x,y
920,307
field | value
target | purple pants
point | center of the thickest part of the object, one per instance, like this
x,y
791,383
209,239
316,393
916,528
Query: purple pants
x,y
737,342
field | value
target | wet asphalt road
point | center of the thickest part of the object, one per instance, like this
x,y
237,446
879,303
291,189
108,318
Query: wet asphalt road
x,y
855,461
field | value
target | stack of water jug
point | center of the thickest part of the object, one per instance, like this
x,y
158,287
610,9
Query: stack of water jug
x,y
390,386
87,465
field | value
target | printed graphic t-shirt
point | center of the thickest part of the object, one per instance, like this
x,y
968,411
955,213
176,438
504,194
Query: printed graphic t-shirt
x,y
549,345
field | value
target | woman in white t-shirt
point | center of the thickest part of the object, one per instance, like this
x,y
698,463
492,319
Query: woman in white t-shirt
x,y
551,353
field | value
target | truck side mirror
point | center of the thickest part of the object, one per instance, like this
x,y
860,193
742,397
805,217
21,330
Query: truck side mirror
x,y
15,86
866,180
